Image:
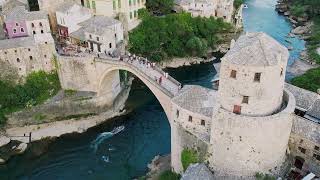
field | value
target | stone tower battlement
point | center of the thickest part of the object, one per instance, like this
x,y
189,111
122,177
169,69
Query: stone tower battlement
x,y
252,76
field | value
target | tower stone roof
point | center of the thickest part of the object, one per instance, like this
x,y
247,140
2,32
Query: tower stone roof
x,y
256,49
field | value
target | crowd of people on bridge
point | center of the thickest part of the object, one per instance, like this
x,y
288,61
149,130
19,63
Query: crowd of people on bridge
x,y
131,58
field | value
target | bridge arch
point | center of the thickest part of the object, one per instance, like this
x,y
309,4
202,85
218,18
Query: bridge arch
x,y
163,96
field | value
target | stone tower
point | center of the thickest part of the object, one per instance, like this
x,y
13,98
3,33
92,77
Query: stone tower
x,y
250,128
252,75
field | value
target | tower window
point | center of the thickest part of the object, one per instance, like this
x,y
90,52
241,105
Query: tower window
x,y
301,141
34,32
40,24
237,109
110,45
14,31
190,119
42,32
245,100
177,113
17,24
30,57
233,74
32,25
97,38
203,122
257,77
18,60
21,30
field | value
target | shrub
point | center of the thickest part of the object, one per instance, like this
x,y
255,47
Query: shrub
x,y
261,176
188,156
310,80
237,3
169,175
297,10
38,87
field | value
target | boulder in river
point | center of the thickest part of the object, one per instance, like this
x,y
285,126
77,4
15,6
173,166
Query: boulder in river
x,y
21,148
2,161
301,30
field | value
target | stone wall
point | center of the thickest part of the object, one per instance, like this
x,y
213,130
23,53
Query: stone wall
x,y
242,145
183,139
264,97
305,143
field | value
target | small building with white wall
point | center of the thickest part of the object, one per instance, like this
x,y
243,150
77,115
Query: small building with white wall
x,y
207,8
69,15
101,34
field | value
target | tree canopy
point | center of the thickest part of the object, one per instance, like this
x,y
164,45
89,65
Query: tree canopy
x,y
160,7
175,35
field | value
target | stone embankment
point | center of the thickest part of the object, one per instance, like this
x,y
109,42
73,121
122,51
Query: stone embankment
x,y
158,165
187,61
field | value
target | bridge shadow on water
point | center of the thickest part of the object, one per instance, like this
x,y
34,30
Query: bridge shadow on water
x,y
121,155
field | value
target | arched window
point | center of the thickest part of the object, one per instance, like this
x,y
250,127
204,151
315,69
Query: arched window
x,y
21,30
42,31
18,60
32,25
40,24
110,45
14,31
17,24
30,57
34,32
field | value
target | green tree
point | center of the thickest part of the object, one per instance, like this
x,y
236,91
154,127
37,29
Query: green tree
x,y
310,80
160,7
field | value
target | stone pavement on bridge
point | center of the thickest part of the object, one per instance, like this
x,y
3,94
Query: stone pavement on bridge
x,y
151,70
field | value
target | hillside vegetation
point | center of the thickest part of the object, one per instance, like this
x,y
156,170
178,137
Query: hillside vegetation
x,y
175,35
38,87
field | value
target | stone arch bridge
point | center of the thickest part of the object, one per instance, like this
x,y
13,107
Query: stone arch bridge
x,y
87,72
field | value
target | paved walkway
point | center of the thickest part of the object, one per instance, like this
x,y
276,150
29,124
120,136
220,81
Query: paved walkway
x,y
151,70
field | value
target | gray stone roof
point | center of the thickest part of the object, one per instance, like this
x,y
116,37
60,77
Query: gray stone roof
x,y
256,49
19,13
98,24
79,34
306,128
67,5
197,99
315,110
304,98
197,172
17,42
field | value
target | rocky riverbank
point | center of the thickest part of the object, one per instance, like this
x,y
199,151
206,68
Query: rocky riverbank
x,y
302,27
158,165
14,138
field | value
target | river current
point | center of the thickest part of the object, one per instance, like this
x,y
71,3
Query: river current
x,y
120,149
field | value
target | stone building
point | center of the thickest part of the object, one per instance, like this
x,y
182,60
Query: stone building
x,y
304,141
126,10
30,46
69,15
101,34
28,54
206,8
19,22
